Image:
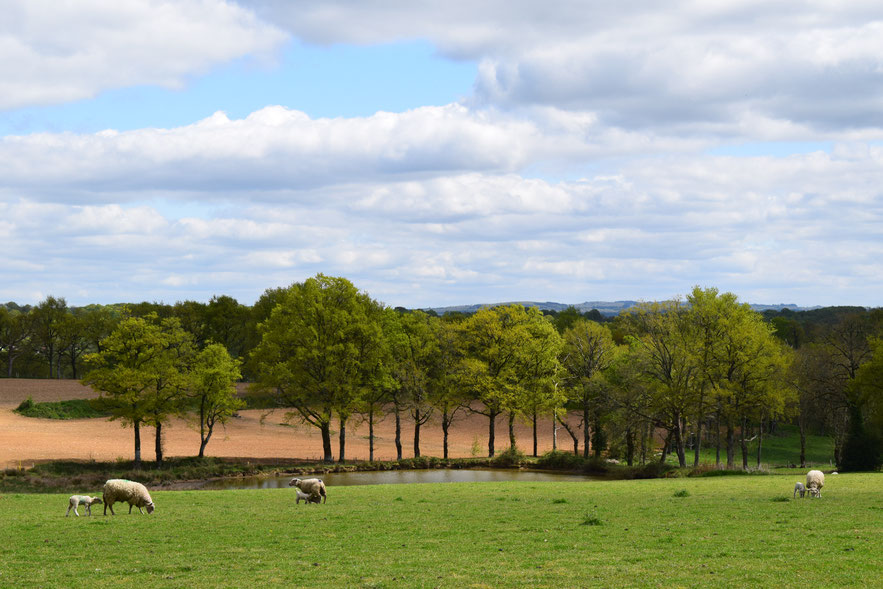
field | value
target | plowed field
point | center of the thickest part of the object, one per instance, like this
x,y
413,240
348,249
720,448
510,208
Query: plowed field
x,y
255,434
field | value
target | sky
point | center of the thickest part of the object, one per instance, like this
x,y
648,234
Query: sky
x,y
442,153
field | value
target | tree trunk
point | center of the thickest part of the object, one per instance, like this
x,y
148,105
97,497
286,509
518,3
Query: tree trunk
x,y
371,434
137,425
202,439
743,443
666,446
554,434
629,445
342,437
492,418
398,434
417,434
679,444
717,440
731,445
325,428
759,441
158,445
534,419
571,433
512,430
698,445
586,436
445,425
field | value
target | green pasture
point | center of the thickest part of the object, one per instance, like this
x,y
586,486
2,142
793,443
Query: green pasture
x,y
779,449
716,531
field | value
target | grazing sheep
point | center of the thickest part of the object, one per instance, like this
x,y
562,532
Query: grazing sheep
x,y
315,488
307,498
799,488
135,494
84,500
815,480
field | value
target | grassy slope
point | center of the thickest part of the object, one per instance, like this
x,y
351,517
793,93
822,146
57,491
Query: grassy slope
x,y
780,449
727,531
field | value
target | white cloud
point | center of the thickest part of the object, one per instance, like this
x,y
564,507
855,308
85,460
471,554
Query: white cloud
x,y
57,52
770,70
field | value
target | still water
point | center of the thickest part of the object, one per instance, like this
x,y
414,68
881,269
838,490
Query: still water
x,y
388,477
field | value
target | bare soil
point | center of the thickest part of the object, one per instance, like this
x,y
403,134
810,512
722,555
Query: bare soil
x,y
254,434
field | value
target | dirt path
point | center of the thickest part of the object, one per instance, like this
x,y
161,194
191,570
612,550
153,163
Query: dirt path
x,y
256,434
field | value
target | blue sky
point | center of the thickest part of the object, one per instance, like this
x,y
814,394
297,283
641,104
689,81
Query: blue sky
x,y
441,155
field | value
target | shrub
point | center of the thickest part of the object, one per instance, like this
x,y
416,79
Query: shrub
x,y
25,405
682,493
558,460
511,457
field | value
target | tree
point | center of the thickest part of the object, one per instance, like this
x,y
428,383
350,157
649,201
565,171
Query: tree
x,y
497,344
587,353
123,373
212,390
49,318
319,349
540,393
414,348
662,344
171,370
447,394
16,331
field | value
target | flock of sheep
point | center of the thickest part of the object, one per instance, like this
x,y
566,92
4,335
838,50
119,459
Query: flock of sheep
x,y
136,495
308,490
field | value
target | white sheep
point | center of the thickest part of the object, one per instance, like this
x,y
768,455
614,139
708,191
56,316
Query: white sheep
x,y
314,488
799,488
815,480
135,494
84,500
307,498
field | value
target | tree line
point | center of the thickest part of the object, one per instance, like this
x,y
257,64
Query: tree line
x,y
705,370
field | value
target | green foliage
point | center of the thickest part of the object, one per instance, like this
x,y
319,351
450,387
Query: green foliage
x,y
558,460
509,458
319,350
26,405
681,493
72,409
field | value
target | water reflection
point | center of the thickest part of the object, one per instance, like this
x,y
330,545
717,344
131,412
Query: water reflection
x,y
392,477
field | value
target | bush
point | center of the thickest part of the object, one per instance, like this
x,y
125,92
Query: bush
x,y
511,457
25,405
682,493
558,460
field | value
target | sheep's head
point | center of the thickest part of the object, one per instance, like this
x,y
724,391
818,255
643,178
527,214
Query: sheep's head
x,y
294,483
96,499
150,508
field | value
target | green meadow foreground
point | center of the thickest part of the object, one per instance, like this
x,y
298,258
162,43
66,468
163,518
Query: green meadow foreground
x,y
723,531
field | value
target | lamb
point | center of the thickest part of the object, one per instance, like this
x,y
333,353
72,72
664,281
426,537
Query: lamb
x,y
315,488
815,480
135,494
799,488
307,498
85,500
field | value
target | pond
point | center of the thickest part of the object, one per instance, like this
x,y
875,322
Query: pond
x,y
392,477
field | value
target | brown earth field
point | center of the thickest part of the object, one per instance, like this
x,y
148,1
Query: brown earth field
x,y
256,433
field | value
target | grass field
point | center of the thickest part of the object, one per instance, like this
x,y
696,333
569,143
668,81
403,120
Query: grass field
x,y
718,531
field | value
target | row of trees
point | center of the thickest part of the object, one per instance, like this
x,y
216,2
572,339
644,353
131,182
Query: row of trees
x,y
149,370
704,370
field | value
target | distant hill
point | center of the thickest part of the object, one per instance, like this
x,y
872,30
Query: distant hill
x,y
606,308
